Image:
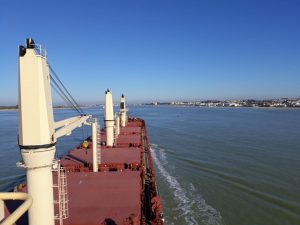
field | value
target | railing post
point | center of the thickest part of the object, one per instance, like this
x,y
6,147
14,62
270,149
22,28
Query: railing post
x,y
17,213
1,210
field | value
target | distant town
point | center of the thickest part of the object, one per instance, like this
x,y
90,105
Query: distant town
x,y
276,103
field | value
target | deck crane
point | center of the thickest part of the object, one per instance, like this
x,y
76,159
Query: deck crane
x,y
38,132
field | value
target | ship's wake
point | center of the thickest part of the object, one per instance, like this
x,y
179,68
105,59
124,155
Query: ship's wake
x,y
190,204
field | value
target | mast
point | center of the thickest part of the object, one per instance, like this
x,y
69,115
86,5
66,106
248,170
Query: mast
x,y
109,119
123,111
36,131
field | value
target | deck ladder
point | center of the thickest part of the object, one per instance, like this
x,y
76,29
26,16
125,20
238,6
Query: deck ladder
x,y
115,135
98,143
62,193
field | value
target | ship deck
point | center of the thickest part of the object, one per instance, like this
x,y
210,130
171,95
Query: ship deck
x,y
112,195
122,192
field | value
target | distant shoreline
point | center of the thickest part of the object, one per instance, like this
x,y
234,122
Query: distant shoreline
x,y
8,109
16,109
179,106
222,107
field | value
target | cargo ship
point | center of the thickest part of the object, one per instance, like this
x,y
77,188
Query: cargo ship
x,y
108,179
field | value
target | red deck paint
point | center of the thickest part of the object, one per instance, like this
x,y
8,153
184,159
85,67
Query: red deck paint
x,y
109,155
131,129
94,197
134,139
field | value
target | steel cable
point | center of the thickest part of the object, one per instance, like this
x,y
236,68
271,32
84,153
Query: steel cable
x,y
60,92
65,89
64,98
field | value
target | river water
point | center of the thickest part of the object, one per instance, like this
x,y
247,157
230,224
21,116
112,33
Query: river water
x,y
233,166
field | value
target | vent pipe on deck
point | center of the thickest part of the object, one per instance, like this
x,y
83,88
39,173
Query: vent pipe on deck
x,y
123,111
109,119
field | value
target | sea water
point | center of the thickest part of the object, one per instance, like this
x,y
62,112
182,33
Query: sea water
x,y
233,166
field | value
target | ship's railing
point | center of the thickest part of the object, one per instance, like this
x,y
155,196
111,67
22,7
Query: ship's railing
x,y
40,51
12,218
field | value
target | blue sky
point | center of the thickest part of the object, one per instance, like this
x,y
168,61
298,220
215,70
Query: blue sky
x,y
158,50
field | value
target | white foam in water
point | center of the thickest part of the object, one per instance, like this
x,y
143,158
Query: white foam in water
x,y
191,204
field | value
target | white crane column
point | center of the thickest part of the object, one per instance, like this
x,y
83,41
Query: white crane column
x,y
36,131
109,119
123,111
